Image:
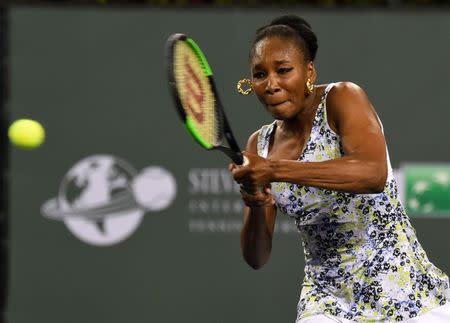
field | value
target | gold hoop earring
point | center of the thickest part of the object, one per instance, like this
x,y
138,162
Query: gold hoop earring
x,y
246,82
309,87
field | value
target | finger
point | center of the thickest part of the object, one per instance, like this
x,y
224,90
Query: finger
x,y
257,200
251,189
246,190
246,161
238,173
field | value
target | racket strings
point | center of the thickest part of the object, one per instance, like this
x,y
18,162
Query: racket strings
x,y
196,94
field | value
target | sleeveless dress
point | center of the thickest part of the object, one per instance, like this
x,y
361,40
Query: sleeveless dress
x,y
363,261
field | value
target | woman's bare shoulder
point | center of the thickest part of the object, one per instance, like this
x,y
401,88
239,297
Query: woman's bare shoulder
x,y
343,99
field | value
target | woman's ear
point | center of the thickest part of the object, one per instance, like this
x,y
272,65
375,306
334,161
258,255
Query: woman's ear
x,y
311,72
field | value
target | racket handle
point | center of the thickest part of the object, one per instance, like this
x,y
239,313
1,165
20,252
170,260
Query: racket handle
x,y
240,159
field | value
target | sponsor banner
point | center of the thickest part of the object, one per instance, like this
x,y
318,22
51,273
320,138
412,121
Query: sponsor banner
x,y
214,204
102,198
426,189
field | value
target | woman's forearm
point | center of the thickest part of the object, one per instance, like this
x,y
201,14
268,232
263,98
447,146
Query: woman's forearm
x,y
256,234
345,174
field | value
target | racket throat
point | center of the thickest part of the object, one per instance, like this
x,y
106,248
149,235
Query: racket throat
x,y
236,157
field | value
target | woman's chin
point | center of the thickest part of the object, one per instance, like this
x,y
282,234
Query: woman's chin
x,y
281,114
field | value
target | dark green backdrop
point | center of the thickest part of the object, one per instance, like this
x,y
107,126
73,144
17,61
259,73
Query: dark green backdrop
x,y
96,79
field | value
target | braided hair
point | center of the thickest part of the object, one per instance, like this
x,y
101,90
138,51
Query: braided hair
x,y
290,27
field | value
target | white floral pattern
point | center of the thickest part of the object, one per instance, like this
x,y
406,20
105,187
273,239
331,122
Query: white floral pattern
x,y
363,261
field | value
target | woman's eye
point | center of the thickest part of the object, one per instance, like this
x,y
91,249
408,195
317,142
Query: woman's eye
x,y
284,70
258,75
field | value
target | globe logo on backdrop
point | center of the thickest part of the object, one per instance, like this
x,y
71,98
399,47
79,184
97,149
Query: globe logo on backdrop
x,y
102,199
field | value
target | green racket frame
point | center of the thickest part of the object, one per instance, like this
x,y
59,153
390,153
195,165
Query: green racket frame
x,y
232,150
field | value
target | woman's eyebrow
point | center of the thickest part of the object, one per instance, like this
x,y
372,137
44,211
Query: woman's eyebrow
x,y
276,62
280,62
257,67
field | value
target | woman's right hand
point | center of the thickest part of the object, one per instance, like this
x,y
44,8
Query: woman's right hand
x,y
257,198
254,196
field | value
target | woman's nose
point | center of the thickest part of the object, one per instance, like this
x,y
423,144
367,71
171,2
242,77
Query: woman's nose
x,y
272,85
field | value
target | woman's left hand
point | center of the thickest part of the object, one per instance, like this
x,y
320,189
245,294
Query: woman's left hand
x,y
253,174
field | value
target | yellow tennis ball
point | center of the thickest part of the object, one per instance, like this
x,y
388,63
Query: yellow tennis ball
x,y
26,133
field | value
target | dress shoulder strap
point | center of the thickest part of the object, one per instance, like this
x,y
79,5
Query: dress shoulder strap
x,y
262,145
327,89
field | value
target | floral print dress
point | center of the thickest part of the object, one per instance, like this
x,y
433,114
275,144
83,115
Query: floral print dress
x,y
363,261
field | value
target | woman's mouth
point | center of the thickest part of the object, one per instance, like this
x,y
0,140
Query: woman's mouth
x,y
275,104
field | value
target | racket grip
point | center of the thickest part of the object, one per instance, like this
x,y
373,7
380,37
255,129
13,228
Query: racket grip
x,y
239,159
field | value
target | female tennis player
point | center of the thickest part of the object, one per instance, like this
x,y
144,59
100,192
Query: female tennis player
x,y
324,162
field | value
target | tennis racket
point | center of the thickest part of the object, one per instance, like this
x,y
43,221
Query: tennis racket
x,y
196,99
